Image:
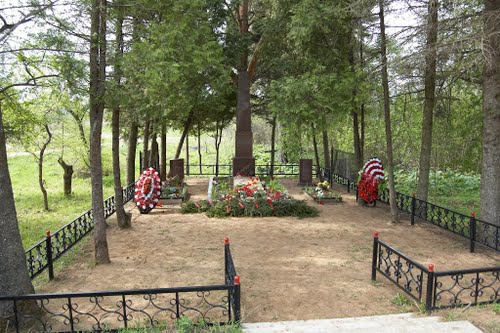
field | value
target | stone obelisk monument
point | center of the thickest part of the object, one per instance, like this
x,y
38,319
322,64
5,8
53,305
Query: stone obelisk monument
x,y
243,161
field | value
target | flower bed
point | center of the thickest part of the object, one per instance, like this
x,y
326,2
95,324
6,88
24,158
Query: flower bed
x,y
173,191
323,194
255,197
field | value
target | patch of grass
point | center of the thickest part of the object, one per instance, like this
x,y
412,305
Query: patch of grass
x,y
496,308
402,301
185,325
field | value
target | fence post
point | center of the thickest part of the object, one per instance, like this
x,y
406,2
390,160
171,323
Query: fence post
x,y
348,185
237,301
472,231
226,252
50,262
413,206
375,256
430,285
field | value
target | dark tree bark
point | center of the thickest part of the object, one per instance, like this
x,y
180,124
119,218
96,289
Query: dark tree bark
x,y
187,125
326,148
123,218
153,156
430,90
14,277
362,141
490,172
39,159
145,153
187,154
163,153
273,144
218,140
97,91
132,151
67,176
315,144
358,159
387,117
199,145
79,122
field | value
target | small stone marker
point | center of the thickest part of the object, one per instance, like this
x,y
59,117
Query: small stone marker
x,y
177,168
305,172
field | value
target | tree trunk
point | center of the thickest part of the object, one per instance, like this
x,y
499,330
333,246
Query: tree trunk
x,y
97,91
199,146
132,151
273,144
67,176
83,138
163,153
387,117
357,142
187,154
123,218
430,88
153,156
326,149
40,158
218,139
14,277
187,124
315,144
490,172
362,143
145,159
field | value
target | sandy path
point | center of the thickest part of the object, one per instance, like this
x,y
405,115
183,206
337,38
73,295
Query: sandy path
x,y
290,268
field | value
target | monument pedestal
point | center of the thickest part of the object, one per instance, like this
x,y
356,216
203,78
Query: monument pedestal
x,y
244,166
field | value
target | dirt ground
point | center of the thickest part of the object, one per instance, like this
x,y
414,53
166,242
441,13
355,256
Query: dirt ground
x,y
290,268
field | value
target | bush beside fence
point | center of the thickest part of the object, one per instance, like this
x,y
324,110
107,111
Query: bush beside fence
x,y
436,290
113,310
42,255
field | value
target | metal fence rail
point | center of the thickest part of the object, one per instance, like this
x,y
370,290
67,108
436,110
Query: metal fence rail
x,y
121,309
42,255
444,289
477,231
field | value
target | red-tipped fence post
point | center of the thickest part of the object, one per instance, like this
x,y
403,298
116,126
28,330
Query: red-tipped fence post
x,y
237,300
413,206
375,256
430,286
48,249
472,231
226,260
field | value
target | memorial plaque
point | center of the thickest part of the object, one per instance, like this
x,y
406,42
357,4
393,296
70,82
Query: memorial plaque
x,y
305,172
177,168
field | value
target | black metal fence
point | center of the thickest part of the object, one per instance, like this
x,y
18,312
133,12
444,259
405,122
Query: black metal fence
x,y
285,170
41,256
438,289
475,230
113,310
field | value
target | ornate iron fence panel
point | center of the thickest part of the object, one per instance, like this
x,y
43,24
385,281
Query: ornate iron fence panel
x,y
38,258
488,234
401,270
403,202
112,310
466,287
384,197
447,219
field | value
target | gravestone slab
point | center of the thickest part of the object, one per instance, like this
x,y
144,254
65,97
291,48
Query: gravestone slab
x,y
305,172
177,168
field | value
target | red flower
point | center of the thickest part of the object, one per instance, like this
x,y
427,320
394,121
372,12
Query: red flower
x,y
228,209
256,204
241,205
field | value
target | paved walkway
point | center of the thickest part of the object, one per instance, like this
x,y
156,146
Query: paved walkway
x,y
398,323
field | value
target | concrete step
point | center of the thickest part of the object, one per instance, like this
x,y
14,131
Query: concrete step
x,y
398,323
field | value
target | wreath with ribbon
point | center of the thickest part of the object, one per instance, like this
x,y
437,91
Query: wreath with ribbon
x,y
147,190
371,175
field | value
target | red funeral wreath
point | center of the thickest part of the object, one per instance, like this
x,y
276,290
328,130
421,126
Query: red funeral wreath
x,y
371,174
147,190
